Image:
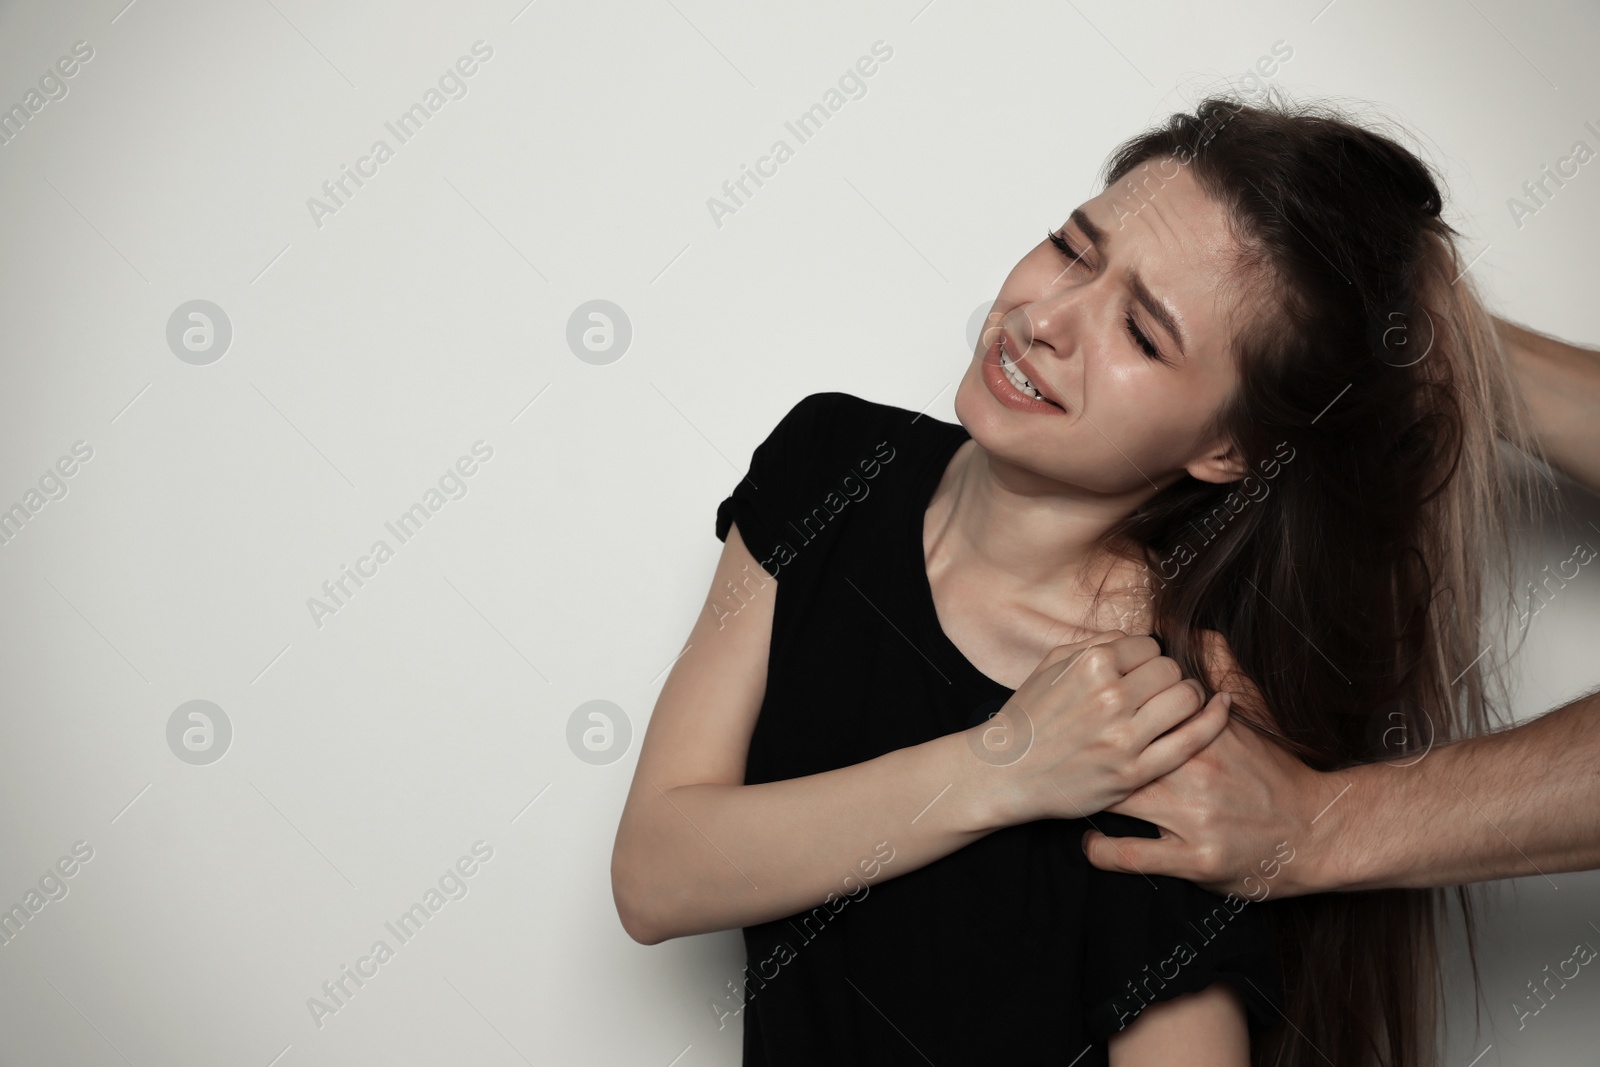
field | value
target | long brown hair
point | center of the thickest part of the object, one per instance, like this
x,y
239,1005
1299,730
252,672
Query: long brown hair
x,y
1372,387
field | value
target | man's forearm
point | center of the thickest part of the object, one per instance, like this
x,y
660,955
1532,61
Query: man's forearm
x,y
1560,384
1522,801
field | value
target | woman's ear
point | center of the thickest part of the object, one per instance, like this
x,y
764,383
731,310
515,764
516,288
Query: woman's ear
x,y
1222,463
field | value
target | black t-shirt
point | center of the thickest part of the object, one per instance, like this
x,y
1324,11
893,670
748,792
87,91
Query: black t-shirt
x,y
1012,950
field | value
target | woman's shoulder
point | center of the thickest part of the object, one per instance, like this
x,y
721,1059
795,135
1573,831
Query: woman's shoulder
x,y
836,406
820,454
828,434
832,419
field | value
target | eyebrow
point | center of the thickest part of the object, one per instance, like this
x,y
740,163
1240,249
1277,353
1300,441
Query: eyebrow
x,y
1158,309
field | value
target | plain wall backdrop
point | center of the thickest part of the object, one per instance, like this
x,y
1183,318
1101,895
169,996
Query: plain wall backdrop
x,y
421,342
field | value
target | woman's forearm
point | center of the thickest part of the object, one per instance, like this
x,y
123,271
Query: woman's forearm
x,y
714,857
1519,802
1560,384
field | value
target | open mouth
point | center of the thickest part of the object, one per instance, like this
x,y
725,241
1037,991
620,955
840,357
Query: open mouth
x,y
1019,380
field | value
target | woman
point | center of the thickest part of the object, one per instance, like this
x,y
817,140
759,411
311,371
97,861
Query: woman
x,y
1245,390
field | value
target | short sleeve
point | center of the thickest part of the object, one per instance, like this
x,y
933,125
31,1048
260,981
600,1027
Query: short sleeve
x,y
1152,938
773,490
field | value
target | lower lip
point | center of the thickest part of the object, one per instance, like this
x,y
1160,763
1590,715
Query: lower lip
x,y
1009,395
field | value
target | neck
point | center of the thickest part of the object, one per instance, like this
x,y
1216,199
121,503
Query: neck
x,y
1020,530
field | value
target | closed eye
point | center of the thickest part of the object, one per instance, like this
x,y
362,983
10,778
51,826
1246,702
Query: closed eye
x,y
1137,335
1060,241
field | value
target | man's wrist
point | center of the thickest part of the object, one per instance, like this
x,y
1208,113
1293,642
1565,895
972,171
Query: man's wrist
x,y
1339,855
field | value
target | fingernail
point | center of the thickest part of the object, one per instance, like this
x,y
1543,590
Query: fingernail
x,y
1227,700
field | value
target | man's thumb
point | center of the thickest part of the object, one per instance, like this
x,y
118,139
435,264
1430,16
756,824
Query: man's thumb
x,y
1108,854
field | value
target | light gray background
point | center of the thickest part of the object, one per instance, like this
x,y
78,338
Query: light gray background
x,y
432,711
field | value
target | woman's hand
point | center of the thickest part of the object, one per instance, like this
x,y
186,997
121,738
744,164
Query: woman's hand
x,y
1091,725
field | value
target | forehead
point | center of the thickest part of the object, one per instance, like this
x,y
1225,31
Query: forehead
x,y
1158,221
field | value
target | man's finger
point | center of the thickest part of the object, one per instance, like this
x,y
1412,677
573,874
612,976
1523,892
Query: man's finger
x,y
1129,855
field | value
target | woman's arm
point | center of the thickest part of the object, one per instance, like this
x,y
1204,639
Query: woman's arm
x,y
1204,1029
1560,384
1522,801
697,850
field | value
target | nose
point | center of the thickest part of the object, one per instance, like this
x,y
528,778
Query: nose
x,y
1048,333
1043,327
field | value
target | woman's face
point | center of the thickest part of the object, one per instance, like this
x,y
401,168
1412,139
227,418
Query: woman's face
x,y
1134,397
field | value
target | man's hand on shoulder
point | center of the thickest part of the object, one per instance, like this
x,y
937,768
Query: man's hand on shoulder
x,y
1243,815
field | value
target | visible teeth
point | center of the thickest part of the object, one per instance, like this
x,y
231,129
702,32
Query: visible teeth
x,y
1016,378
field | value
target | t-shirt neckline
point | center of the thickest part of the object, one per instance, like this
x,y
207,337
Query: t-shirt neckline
x,y
949,659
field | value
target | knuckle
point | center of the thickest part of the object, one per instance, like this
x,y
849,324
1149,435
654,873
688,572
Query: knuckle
x,y
1064,657
1120,737
1170,668
1099,656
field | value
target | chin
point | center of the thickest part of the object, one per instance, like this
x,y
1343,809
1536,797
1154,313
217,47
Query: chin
x,y
972,400
997,428
1016,440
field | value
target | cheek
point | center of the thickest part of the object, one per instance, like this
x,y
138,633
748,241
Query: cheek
x,y
1156,415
